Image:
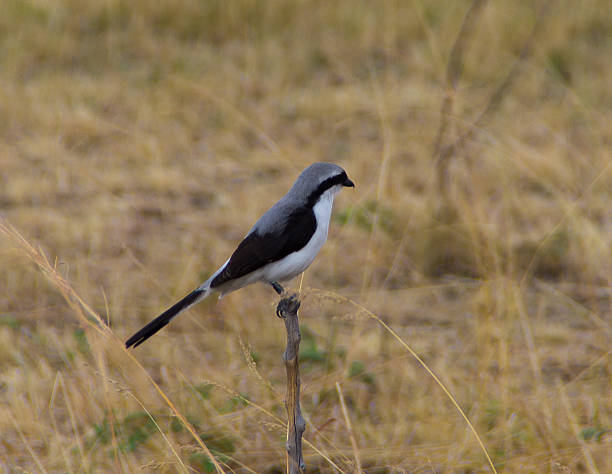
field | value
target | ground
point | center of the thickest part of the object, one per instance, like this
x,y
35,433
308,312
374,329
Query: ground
x,y
140,140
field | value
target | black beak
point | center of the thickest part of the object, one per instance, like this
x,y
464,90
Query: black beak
x,y
348,183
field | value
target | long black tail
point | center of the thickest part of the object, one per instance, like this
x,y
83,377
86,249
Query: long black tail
x,y
164,318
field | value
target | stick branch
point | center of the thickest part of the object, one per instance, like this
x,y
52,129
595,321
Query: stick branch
x,y
287,309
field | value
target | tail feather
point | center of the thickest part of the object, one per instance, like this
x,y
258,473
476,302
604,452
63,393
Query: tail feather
x,y
164,318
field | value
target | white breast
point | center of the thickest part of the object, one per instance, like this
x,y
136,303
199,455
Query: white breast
x,y
296,262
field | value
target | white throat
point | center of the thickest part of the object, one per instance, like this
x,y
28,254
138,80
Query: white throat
x,y
322,210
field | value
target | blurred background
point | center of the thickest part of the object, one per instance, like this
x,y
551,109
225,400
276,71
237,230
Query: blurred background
x,y
140,140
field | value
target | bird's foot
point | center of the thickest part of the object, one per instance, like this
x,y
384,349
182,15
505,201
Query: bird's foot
x,y
277,287
289,304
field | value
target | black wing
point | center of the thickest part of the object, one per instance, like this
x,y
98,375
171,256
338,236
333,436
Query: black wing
x,y
257,250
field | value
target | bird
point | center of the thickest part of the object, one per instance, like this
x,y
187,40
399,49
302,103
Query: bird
x,y
280,245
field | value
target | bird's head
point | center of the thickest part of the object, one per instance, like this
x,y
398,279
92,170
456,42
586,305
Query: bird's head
x,y
319,178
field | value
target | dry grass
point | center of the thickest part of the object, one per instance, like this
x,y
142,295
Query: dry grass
x,y
138,142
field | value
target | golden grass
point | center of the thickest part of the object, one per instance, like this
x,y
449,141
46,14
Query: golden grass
x,y
140,140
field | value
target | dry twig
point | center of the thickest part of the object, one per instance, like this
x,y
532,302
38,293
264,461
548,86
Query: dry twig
x,y
287,309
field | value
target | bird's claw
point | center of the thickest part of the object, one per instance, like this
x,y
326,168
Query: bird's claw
x,y
289,304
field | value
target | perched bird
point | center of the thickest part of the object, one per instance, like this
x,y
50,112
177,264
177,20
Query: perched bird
x,y
281,244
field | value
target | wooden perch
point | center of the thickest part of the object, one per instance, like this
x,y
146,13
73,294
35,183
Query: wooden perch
x,y
287,310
